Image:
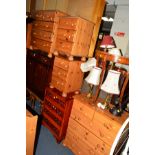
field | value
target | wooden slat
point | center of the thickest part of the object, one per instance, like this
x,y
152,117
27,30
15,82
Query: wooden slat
x,y
96,18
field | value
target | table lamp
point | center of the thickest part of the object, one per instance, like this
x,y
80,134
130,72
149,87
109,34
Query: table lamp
x,y
117,52
93,78
110,86
88,65
107,42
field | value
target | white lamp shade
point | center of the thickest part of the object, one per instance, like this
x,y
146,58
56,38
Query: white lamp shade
x,y
94,76
115,51
111,83
88,65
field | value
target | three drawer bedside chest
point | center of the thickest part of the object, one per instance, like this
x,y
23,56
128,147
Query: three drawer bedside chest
x,y
91,131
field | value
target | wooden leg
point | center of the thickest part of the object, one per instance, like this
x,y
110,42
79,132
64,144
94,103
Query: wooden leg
x,y
77,92
50,55
51,86
64,94
83,59
56,53
31,47
70,58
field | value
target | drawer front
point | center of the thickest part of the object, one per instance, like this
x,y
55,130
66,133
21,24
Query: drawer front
x,y
106,122
45,15
58,83
89,138
51,115
79,117
74,142
68,23
59,73
64,46
46,122
53,99
41,44
96,128
87,110
47,36
54,108
46,26
66,35
62,63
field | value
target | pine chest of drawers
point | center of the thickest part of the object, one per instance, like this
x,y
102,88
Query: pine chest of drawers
x,y
56,112
66,75
44,30
74,36
91,131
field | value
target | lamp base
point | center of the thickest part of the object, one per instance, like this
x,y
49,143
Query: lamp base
x,y
116,111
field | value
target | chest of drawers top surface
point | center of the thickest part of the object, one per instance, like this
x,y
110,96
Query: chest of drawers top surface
x,y
48,15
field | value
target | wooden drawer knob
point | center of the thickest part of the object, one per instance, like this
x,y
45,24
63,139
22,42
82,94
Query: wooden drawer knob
x,y
101,134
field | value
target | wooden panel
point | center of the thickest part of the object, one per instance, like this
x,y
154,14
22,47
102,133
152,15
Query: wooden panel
x,y
28,4
96,18
28,35
39,5
85,11
50,4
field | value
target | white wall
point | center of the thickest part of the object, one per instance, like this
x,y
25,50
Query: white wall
x,y
121,24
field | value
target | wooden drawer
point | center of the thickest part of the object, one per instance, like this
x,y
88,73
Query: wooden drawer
x,y
79,117
58,83
107,122
84,108
66,35
54,108
77,145
46,26
41,45
100,131
57,121
68,23
47,36
59,73
62,63
64,46
90,139
47,15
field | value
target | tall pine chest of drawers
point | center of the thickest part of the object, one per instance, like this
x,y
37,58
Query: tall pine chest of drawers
x,y
91,131
44,30
74,36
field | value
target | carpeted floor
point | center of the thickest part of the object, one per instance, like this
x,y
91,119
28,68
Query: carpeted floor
x,y
47,144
